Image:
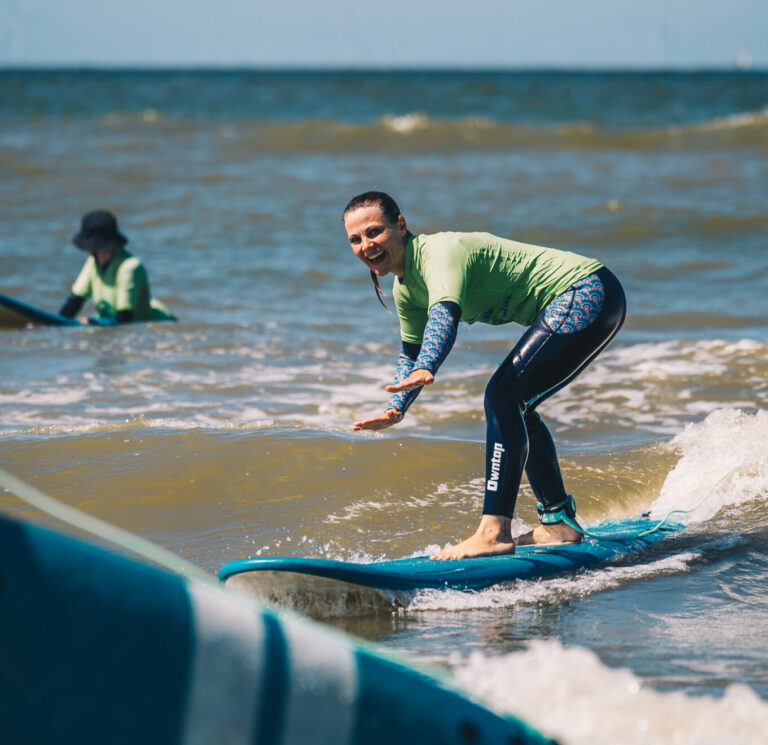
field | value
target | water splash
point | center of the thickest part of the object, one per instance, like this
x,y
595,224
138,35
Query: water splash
x,y
731,447
570,694
525,593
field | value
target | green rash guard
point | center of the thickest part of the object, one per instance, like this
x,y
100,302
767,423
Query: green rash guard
x,y
123,285
493,280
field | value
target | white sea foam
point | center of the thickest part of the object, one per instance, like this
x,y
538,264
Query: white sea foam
x,y
568,693
656,387
723,460
663,385
645,388
406,123
44,397
441,496
556,589
735,121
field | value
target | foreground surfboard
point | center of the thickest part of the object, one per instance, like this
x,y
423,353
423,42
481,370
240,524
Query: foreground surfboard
x,y
263,576
99,648
15,314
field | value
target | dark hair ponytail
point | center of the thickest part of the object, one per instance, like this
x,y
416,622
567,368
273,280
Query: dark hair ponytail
x,y
389,209
379,291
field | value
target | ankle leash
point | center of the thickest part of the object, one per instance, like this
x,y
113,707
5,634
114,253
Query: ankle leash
x,y
565,512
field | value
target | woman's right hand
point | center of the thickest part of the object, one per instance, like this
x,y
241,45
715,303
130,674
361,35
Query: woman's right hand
x,y
387,419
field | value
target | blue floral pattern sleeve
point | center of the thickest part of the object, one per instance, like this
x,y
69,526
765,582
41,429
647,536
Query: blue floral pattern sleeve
x,y
406,364
439,337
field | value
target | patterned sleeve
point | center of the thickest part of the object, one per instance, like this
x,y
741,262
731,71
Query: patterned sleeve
x,y
439,336
405,366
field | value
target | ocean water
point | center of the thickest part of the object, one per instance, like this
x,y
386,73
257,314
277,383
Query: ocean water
x,y
229,434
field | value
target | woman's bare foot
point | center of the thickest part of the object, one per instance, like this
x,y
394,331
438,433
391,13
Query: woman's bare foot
x,y
493,536
549,534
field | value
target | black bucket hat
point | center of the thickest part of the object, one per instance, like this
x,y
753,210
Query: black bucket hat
x,y
98,229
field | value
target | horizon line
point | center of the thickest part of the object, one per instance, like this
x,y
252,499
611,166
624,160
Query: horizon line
x,y
362,68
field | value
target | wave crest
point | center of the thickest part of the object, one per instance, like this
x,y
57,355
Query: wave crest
x,y
417,132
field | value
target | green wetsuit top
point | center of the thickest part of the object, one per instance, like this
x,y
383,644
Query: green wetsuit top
x,y
493,280
122,285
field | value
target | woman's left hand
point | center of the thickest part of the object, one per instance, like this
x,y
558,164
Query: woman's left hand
x,y
416,379
382,421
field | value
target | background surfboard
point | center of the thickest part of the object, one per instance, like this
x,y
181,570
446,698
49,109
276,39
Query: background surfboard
x,y
16,314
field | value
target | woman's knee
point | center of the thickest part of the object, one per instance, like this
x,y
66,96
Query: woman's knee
x,y
503,390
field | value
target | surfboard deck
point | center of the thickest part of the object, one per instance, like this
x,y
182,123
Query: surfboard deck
x,y
616,538
16,314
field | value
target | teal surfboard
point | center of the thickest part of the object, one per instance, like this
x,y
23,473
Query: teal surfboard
x,y
14,313
609,540
99,648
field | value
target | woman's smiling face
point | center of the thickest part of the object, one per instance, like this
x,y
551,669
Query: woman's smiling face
x,y
377,242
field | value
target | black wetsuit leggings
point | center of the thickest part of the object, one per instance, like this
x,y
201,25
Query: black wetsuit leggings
x,y
541,363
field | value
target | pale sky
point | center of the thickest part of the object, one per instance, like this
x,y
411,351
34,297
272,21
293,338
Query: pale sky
x,y
392,33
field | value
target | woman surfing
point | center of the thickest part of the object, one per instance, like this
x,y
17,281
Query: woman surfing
x,y
572,307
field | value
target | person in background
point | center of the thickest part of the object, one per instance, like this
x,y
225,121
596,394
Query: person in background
x,y
114,279
572,305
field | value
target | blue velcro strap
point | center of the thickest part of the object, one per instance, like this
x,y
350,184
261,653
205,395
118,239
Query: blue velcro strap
x,y
565,512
